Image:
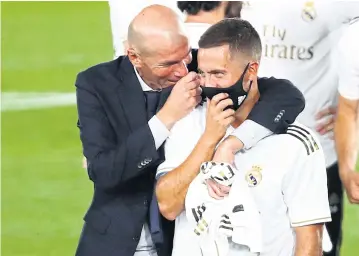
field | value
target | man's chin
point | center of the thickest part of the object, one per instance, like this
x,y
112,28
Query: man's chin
x,y
171,83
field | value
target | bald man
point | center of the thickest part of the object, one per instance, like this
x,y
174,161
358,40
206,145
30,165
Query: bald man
x,y
122,137
126,110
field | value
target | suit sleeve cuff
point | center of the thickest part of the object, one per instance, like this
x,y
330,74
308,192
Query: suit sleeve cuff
x,y
159,131
250,133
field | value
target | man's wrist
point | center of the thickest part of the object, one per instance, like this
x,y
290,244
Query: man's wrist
x,y
167,120
345,173
232,144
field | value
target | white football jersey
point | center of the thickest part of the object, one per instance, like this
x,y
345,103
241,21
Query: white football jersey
x,y
349,60
298,42
195,31
287,178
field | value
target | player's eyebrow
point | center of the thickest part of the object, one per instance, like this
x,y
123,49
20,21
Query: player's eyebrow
x,y
213,71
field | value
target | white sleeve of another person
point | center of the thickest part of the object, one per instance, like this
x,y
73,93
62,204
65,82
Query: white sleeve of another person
x,y
305,188
349,62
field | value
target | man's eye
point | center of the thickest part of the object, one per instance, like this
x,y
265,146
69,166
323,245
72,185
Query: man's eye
x,y
218,75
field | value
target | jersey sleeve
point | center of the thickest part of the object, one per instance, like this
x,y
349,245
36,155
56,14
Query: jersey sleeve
x,y
349,62
340,12
304,185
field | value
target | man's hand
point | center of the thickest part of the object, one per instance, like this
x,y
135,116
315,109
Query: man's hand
x,y
84,163
218,119
216,190
185,96
224,154
326,118
227,149
350,181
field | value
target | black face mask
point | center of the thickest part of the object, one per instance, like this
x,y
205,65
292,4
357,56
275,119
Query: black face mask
x,y
236,92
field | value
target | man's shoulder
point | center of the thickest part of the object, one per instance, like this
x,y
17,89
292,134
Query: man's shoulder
x,y
300,140
100,75
102,68
264,82
350,39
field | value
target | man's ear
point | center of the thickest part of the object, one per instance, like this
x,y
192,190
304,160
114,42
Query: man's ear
x,y
253,71
134,57
251,76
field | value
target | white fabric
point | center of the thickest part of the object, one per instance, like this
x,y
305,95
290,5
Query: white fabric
x,y
121,15
298,42
195,31
349,62
250,133
215,221
289,189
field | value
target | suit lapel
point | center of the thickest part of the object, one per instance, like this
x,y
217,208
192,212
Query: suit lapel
x,y
131,95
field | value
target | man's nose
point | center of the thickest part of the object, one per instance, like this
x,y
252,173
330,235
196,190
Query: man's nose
x,y
181,69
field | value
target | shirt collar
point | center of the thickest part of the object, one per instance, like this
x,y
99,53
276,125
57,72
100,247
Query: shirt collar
x,y
144,86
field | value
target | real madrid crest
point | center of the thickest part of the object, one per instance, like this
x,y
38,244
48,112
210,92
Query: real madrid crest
x,y
308,11
254,176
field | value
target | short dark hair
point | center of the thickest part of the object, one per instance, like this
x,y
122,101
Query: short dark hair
x,y
239,34
194,7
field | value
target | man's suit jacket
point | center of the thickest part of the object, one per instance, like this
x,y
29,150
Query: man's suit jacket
x,y
121,153
122,159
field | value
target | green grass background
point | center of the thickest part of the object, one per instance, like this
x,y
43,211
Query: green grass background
x,y
45,192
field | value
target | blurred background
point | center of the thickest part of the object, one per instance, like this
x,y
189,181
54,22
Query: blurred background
x,y
45,190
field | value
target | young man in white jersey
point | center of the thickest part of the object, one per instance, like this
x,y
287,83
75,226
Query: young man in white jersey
x,y
200,15
299,39
290,189
346,130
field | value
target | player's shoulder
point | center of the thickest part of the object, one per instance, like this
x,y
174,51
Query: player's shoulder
x,y
350,37
272,81
301,140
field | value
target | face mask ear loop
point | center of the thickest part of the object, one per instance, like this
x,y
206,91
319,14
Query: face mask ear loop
x,y
250,86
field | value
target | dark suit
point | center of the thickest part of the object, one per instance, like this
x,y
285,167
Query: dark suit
x,y
122,157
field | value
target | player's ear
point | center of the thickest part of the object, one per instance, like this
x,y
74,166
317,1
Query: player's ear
x,y
134,57
251,76
253,71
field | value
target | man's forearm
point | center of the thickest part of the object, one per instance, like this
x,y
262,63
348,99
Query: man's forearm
x,y
309,240
172,188
346,134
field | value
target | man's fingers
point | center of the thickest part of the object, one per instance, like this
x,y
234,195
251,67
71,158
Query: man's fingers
x,y
326,127
217,98
227,113
212,193
198,91
326,112
229,120
214,190
191,85
84,163
224,103
191,76
224,189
